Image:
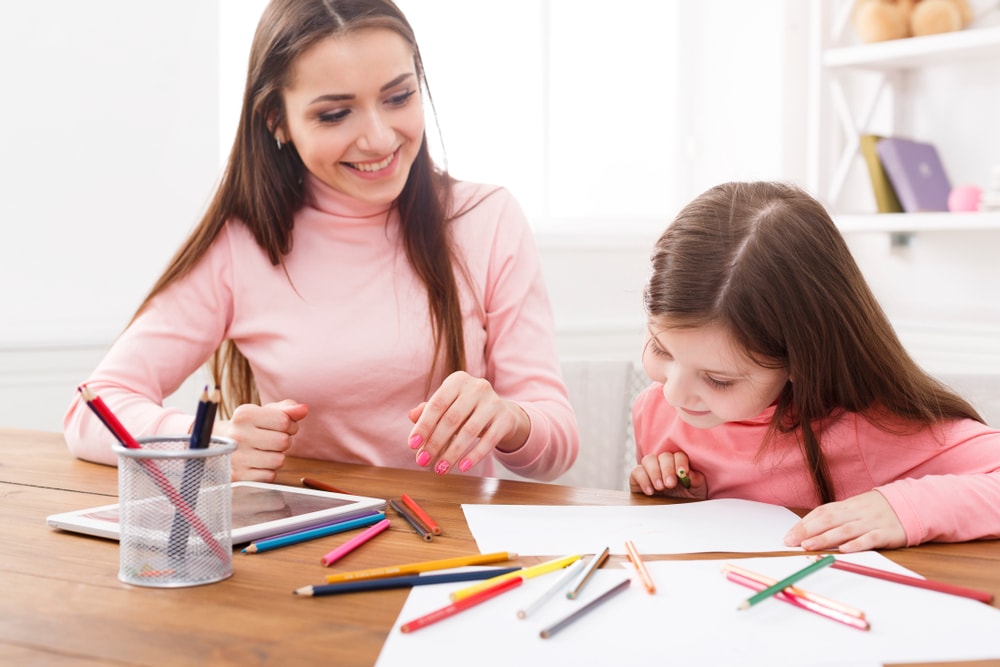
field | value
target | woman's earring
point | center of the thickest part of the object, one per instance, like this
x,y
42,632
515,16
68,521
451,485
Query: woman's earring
x,y
278,139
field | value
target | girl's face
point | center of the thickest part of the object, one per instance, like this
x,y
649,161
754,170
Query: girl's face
x,y
354,113
707,378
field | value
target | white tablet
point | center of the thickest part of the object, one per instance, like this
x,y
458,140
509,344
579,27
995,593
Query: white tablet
x,y
259,510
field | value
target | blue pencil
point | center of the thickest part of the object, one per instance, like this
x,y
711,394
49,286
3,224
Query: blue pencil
x,y
312,533
402,582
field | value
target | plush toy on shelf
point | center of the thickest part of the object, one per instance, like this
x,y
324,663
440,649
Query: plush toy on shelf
x,y
882,20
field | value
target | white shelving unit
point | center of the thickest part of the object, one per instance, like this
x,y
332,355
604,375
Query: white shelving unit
x,y
841,116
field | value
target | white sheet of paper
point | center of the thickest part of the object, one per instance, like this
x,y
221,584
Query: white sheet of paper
x,y
722,525
693,618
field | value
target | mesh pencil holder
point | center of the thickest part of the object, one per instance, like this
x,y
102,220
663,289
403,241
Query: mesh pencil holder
x,y
175,512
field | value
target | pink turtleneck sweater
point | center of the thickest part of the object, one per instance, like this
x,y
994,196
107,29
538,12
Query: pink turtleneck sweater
x,y
942,482
347,331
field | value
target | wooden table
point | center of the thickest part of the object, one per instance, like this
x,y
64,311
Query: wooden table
x,y
61,602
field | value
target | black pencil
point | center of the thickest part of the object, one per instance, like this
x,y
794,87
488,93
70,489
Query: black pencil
x,y
402,582
412,520
590,606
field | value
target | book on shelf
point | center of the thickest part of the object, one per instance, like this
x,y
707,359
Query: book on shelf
x,y
917,175
885,195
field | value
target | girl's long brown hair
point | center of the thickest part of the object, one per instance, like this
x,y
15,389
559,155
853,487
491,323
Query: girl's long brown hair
x,y
262,185
766,262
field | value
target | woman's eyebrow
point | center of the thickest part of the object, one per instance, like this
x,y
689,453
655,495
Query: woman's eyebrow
x,y
340,97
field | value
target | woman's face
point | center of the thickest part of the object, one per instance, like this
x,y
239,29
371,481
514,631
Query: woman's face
x,y
707,378
354,113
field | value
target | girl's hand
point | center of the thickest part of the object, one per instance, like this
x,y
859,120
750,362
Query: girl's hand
x,y
263,433
462,422
860,523
665,473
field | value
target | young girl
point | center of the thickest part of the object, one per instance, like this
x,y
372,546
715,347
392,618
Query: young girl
x,y
778,378
354,301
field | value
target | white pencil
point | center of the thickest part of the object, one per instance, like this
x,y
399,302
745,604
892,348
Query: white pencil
x,y
562,584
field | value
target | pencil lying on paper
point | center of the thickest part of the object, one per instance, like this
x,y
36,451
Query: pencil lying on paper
x,y
421,566
801,602
311,534
592,567
121,434
793,590
571,572
461,605
781,585
421,515
939,586
524,573
640,567
401,582
424,534
586,609
355,542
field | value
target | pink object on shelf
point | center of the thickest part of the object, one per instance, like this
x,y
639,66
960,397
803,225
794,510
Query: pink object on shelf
x,y
964,198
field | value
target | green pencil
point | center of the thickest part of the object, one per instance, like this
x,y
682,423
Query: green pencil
x,y
786,582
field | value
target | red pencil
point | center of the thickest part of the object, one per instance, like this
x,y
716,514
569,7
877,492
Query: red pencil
x,y
939,586
461,605
424,517
125,438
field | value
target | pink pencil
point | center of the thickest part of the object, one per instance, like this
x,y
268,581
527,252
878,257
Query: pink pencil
x,y
355,542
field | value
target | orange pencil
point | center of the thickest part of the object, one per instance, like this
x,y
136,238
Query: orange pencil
x,y
640,567
424,517
461,605
321,486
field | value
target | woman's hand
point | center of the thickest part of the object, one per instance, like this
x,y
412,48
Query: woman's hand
x,y
263,433
665,473
860,523
462,422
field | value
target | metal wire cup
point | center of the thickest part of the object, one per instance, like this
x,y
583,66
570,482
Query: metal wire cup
x,y
175,512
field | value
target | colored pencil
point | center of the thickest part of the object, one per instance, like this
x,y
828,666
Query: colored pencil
x,y
331,522
423,516
311,534
401,582
421,566
640,567
781,585
592,567
121,434
463,604
796,591
939,586
355,542
194,470
587,608
682,475
424,534
801,602
526,573
321,486
571,572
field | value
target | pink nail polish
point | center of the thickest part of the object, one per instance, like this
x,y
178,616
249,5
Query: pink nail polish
x,y
423,458
465,465
416,441
442,467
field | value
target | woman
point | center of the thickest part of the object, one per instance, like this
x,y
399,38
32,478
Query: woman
x,y
354,302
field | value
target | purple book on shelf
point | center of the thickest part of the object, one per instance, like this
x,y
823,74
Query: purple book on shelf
x,y
916,173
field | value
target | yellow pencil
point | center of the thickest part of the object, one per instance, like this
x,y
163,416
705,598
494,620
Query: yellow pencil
x,y
524,573
422,566
640,567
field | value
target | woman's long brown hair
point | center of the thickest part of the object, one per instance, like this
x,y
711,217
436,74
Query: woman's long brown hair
x,y
262,185
766,262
